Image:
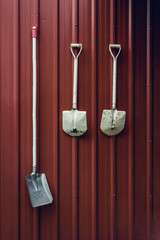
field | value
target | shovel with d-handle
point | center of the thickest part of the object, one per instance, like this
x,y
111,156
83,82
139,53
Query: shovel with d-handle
x,y
113,121
75,122
37,183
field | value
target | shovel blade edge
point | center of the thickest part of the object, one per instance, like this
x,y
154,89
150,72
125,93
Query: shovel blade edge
x,y
74,122
38,190
106,122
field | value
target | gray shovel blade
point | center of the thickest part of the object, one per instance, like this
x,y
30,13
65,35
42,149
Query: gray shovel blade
x,y
74,122
110,127
38,190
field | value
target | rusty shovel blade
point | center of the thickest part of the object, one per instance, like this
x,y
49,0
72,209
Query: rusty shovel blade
x,y
74,122
112,122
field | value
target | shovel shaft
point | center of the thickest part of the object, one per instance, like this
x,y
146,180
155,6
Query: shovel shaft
x,y
75,81
114,83
34,101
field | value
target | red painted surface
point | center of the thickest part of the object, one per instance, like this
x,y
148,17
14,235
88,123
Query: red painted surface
x,y
103,187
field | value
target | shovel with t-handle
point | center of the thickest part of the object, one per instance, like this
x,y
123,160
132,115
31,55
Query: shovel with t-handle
x,y
113,121
37,183
75,122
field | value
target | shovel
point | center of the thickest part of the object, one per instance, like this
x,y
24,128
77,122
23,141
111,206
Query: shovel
x,y
37,183
113,121
75,122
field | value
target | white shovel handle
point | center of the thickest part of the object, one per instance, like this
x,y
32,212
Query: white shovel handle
x,y
34,38
111,46
75,75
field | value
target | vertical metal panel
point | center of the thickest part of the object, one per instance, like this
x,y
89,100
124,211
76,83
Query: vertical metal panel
x,y
131,120
103,187
156,119
149,121
103,103
9,121
87,102
113,189
48,108
122,162
75,192
140,124
113,193
65,103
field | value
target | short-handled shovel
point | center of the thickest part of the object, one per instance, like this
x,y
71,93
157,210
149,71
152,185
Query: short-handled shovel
x,y
75,122
37,183
113,121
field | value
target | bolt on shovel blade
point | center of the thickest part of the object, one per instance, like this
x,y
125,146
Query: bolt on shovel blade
x,y
38,190
74,122
109,127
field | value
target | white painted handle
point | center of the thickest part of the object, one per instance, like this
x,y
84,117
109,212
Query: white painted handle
x,y
114,72
114,83
34,103
75,82
75,74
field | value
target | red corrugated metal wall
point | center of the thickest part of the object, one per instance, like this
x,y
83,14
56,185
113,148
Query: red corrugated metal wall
x,y
103,187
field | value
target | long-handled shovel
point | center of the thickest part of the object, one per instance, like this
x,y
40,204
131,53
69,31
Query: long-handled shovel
x,y
37,183
75,122
113,121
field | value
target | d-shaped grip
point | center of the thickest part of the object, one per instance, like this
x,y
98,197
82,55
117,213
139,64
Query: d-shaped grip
x,y
76,45
111,46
